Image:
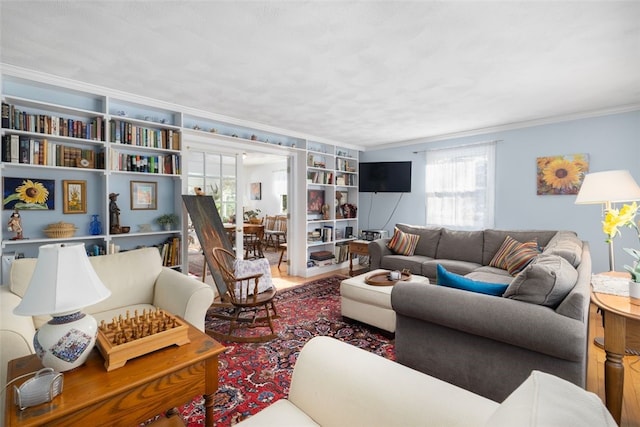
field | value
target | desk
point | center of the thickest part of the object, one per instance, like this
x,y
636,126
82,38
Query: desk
x,y
618,313
357,247
144,387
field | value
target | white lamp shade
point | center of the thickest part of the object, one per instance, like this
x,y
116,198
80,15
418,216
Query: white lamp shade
x,y
63,281
608,186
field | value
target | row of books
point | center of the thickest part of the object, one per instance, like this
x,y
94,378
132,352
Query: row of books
x,y
320,177
346,179
341,253
14,118
166,164
22,149
345,165
123,132
170,252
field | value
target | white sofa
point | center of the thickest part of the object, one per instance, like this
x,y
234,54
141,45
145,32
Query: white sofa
x,y
137,281
336,384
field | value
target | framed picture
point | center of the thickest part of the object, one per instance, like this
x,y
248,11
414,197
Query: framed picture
x,y
74,195
315,200
561,174
144,195
28,194
256,191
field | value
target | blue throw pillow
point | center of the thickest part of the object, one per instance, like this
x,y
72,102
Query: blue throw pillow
x,y
452,280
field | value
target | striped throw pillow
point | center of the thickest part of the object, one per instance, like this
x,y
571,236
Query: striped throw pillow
x,y
403,243
521,256
509,245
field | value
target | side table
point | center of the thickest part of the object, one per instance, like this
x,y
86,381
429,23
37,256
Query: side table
x,y
357,247
618,312
144,387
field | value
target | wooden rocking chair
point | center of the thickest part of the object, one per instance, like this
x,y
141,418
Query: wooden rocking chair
x,y
237,297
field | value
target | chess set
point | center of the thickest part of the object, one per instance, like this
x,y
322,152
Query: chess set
x,y
128,337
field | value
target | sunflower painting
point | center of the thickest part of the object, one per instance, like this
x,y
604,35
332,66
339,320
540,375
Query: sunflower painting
x,y
561,174
28,194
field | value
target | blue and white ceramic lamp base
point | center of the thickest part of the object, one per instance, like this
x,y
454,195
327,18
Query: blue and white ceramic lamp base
x,y
64,343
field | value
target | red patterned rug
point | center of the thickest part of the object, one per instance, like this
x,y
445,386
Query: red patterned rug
x,y
252,376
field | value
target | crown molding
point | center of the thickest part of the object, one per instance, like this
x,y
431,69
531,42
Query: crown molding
x,y
511,126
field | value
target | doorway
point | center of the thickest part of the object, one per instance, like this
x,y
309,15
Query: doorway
x,y
240,183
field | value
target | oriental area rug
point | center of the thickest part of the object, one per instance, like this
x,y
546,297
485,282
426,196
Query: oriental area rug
x,y
254,375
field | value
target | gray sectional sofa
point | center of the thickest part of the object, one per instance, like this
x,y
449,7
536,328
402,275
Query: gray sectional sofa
x,y
490,344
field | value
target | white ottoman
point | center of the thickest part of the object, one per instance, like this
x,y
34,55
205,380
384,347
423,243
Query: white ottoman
x,y
370,304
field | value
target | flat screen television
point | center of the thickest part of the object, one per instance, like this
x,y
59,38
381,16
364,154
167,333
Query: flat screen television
x,y
385,177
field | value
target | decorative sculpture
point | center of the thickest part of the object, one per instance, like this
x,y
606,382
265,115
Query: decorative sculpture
x,y
15,225
114,214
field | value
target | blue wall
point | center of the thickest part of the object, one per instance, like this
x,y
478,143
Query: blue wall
x,y
612,142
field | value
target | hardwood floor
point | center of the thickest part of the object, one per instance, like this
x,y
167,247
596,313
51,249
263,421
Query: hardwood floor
x,y
595,368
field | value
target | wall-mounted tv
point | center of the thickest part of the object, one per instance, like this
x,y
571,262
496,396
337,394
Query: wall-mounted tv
x,y
384,177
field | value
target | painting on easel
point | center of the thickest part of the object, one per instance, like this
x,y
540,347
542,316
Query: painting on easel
x,y
210,231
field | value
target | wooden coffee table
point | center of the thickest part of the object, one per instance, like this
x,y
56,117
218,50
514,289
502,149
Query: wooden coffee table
x,y
143,388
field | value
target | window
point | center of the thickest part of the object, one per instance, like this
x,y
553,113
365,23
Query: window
x,y
280,188
460,186
215,174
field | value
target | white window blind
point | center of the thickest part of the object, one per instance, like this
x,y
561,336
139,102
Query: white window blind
x,y
460,186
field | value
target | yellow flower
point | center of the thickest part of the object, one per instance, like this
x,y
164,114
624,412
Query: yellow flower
x,y
561,174
32,192
614,219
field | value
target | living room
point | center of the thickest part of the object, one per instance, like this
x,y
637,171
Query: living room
x,y
571,102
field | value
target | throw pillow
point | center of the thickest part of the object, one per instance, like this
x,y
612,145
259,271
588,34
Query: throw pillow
x,y
546,400
249,267
520,257
547,280
403,243
509,245
452,280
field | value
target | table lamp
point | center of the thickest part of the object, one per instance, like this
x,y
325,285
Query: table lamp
x,y
605,188
63,283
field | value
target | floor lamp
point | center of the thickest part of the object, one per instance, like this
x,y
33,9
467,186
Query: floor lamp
x,y
605,188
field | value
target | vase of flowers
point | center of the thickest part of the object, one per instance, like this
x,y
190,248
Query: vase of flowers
x,y
613,221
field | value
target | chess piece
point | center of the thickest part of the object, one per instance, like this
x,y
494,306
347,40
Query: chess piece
x,y
15,225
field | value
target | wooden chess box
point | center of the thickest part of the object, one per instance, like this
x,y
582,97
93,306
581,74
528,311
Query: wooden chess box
x,y
126,338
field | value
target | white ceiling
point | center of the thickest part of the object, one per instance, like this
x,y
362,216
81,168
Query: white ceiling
x,y
358,72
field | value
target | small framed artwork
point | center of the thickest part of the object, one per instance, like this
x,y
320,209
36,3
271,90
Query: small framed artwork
x,y
256,191
315,200
144,195
28,194
74,195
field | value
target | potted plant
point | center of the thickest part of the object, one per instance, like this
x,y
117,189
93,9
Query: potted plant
x,y
634,284
167,220
251,216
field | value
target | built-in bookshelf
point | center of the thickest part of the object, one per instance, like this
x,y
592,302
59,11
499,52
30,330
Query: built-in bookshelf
x,y
332,194
61,140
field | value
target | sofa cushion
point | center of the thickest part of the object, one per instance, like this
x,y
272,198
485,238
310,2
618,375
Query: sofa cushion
x,y
546,281
546,400
452,280
403,243
567,245
460,245
429,237
511,247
